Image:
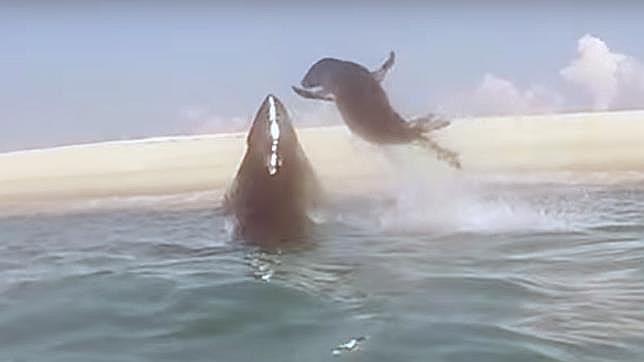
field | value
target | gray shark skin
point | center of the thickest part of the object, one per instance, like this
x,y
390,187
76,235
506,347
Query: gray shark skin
x,y
275,186
365,107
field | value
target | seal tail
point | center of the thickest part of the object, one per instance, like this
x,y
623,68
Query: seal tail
x,y
428,123
442,153
421,127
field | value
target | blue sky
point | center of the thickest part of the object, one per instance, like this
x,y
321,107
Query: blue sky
x,y
79,72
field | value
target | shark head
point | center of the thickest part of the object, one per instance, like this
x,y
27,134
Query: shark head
x,y
275,186
272,138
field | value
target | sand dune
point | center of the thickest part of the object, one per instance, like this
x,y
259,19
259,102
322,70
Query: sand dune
x,y
573,144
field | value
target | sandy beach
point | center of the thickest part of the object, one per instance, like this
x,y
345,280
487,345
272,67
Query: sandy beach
x,y
580,146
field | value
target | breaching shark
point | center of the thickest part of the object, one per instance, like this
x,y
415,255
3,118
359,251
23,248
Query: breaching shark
x,y
275,187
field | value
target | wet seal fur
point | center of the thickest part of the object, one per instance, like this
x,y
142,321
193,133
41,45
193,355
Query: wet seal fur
x,y
365,107
275,187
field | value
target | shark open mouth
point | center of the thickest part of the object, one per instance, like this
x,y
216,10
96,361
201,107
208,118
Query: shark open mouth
x,y
274,161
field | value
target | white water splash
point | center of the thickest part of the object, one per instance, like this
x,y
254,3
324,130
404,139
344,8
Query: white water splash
x,y
426,199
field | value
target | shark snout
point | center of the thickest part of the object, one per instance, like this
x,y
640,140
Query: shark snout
x,y
271,136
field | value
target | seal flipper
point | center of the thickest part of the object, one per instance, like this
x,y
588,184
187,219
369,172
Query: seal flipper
x,y
442,153
314,94
379,74
429,123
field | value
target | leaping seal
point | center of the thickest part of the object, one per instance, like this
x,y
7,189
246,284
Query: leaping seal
x,y
365,107
275,186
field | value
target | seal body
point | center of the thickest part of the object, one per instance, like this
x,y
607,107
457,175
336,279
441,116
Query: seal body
x,y
365,107
275,186
361,101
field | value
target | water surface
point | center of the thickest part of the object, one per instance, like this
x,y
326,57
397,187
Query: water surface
x,y
492,272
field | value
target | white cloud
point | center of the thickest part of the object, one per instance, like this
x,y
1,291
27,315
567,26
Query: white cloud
x,y
609,79
631,84
595,69
498,96
613,80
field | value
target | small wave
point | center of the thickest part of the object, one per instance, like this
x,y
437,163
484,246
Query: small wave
x,y
179,201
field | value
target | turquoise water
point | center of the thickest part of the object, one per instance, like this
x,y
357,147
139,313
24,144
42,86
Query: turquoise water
x,y
531,272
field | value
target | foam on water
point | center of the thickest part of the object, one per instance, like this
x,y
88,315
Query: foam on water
x,y
451,208
436,199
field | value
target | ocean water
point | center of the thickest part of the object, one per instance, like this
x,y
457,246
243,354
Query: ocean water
x,y
423,271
